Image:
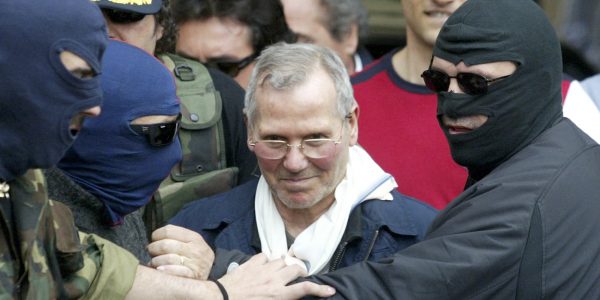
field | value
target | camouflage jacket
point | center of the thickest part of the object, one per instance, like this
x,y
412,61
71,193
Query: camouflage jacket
x,y
43,256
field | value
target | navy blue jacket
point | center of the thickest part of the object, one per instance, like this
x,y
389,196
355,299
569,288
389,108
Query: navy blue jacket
x,y
376,229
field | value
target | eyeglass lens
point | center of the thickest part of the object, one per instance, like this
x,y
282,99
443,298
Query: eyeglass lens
x,y
162,134
313,148
158,135
231,68
470,83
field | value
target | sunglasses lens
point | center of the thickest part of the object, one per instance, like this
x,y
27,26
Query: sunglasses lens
x,y
436,81
162,134
123,17
158,135
472,84
229,68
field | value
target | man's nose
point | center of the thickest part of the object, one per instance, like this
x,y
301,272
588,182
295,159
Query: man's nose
x,y
454,87
294,160
92,112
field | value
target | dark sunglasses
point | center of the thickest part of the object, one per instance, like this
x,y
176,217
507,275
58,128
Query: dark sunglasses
x,y
160,134
470,83
122,17
231,68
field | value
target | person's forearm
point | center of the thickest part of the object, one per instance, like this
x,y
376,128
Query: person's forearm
x,y
152,284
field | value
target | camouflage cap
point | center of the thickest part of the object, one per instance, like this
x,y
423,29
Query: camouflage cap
x,y
146,7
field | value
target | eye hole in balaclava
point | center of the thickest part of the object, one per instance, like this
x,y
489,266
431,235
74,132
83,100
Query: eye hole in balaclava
x,y
76,65
79,68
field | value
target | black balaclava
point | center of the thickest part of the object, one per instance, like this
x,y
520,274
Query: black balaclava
x,y
519,107
38,96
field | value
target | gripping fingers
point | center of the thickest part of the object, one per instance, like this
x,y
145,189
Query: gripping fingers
x,y
288,273
166,246
254,262
168,259
177,270
306,288
176,233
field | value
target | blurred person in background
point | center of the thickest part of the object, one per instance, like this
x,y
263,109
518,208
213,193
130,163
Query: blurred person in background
x,y
340,25
592,87
229,34
580,29
398,111
151,27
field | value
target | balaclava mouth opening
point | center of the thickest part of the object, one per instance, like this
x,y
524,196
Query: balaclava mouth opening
x,y
38,95
109,159
520,107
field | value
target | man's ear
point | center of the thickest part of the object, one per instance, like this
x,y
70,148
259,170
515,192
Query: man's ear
x,y
159,30
350,42
353,122
249,132
348,48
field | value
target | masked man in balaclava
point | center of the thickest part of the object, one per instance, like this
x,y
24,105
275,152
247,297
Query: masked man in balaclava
x,y
49,66
50,54
527,225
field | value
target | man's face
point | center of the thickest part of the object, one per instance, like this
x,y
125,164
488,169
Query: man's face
x,y
81,69
424,18
304,112
217,40
489,71
307,20
142,34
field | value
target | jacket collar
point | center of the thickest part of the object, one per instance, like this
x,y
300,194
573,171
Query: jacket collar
x,y
401,225
353,229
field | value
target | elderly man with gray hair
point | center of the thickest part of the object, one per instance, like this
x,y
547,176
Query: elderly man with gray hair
x,y
321,201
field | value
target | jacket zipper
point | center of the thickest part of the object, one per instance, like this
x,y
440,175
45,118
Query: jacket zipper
x,y
339,254
337,258
371,245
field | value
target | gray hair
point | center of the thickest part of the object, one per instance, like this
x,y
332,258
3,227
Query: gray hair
x,y
340,15
285,66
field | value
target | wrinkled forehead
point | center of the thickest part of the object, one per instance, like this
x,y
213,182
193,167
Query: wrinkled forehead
x,y
300,101
310,102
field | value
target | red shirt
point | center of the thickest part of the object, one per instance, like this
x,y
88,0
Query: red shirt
x,y
399,129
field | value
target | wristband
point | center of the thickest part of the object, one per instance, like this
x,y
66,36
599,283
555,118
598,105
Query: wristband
x,y
221,288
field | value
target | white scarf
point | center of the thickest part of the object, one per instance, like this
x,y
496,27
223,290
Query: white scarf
x,y
315,245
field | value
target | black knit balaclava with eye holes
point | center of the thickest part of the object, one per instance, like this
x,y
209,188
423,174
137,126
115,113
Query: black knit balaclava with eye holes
x,y
520,107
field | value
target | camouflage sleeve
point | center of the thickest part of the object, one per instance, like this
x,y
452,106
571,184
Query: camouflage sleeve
x,y
93,267
110,268
60,261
